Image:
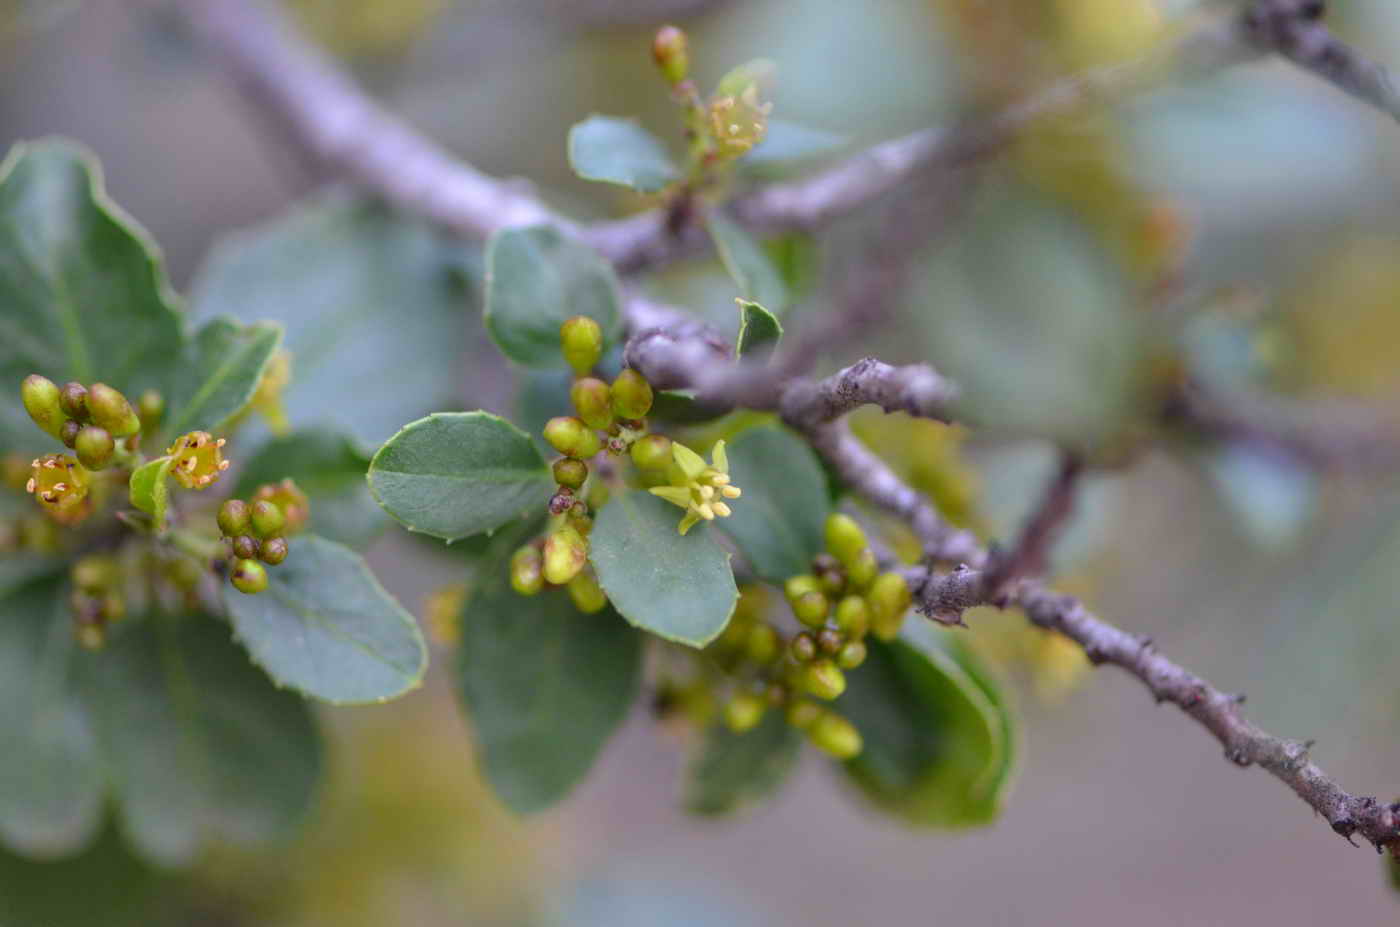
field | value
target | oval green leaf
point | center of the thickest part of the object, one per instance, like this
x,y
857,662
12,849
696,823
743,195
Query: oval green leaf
x,y
545,686
618,151
728,770
536,278
326,628
149,489
456,474
779,521
678,587
759,331
219,374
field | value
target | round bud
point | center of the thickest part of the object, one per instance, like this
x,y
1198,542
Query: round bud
x,y
95,572
245,547
631,395
248,577
150,408
844,538
836,736
593,400
824,679
288,497
565,554
762,645
68,432
582,342
802,714
587,594
743,712
652,452
570,473
110,409
672,56
94,447
234,518
571,437
562,501
853,616
268,520
833,581
803,647
43,402
811,608
829,640
273,550
823,562
72,398
851,655
526,565
798,586
862,573
889,598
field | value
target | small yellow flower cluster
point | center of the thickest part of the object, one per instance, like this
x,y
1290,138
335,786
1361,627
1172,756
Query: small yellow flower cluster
x,y
697,487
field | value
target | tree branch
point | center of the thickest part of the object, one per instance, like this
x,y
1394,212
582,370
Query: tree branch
x,y
1032,551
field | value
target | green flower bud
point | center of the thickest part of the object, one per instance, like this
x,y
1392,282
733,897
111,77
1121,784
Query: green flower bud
x,y
833,581
526,570
69,431
110,410
829,640
245,546
43,403
72,398
565,554
570,472
631,395
199,459
851,655
59,483
268,520
582,343
862,573
798,586
652,453
587,594
288,497
94,447
672,55
836,736
572,438
762,645
95,573
273,550
593,400
183,572
889,598
811,608
803,647
853,616
802,714
234,518
824,679
743,712
844,538
150,408
248,577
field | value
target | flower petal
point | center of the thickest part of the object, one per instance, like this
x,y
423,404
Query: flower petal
x,y
691,463
672,494
720,458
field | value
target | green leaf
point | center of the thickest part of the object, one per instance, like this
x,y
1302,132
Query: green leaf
x,y
788,142
219,375
374,307
728,770
778,523
50,773
940,742
535,279
330,468
200,747
83,290
678,587
759,330
326,628
619,151
105,885
545,686
149,489
757,278
456,474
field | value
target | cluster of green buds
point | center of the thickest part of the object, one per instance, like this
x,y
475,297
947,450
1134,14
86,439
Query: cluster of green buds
x,y
256,530
97,599
89,420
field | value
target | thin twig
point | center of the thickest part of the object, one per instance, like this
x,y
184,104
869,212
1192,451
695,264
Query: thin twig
x,y
1032,550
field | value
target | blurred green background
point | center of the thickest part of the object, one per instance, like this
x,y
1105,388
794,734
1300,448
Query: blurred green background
x,y
1263,201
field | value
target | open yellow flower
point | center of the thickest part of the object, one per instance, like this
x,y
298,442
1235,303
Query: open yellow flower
x,y
697,487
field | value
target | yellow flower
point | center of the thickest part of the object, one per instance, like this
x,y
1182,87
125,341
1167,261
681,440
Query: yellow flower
x,y
698,488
